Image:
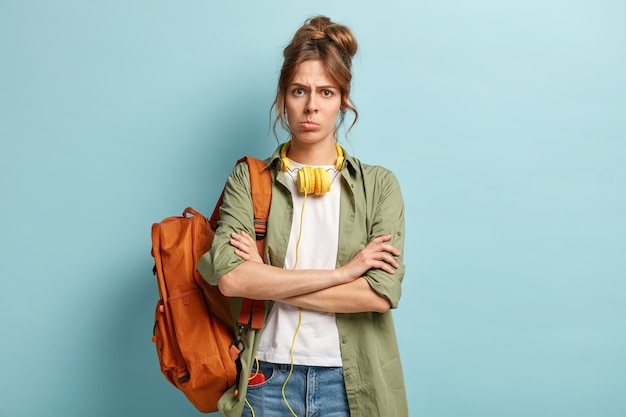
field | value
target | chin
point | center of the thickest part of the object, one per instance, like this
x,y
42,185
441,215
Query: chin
x,y
313,137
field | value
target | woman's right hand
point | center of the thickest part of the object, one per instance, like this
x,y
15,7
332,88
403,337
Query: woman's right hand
x,y
378,254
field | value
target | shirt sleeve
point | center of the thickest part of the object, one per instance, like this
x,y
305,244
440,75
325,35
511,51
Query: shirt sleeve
x,y
386,216
236,214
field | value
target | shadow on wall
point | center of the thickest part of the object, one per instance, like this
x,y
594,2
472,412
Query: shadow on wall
x,y
129,381
245,129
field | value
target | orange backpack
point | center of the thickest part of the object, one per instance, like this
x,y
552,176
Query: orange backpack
x,y
194,332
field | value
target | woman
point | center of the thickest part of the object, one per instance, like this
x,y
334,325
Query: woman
x,y
332,267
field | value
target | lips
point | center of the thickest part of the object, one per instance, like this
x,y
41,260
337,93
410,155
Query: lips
x,y
308,125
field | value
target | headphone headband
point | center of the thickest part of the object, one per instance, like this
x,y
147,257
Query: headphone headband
x,y
285,160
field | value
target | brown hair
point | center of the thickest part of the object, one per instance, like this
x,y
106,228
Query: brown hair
x,y
333,44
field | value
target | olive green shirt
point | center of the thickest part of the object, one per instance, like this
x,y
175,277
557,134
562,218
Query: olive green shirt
x,y
371,206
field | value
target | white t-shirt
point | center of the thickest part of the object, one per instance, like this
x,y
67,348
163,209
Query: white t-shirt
x,y
317,340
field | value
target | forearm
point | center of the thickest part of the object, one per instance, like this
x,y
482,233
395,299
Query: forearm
x,y
260,281
354,297
256,280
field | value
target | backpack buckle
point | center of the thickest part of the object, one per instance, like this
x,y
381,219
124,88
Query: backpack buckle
x,y
237,346
260,227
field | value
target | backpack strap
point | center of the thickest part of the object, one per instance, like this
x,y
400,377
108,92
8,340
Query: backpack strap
x,y
261,190
252,311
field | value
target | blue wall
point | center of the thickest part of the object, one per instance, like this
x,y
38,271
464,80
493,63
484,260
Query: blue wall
x,y
504,121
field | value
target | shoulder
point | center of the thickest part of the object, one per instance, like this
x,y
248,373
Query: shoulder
x,y
240,168
239,179
372,174
241,173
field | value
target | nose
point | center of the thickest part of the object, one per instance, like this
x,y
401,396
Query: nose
x,y
311,104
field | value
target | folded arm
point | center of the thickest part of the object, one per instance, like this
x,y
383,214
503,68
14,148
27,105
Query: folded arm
x,y
338,290
354,297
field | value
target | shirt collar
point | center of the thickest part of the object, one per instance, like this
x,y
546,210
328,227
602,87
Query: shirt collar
x,y
350,162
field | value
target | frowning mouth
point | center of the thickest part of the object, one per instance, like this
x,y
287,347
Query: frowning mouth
x,y
308,125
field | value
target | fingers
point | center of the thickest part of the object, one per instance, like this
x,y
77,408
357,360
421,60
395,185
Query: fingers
x,y
388,264
241,240
378,245
380,242
245,246
382,254
390,260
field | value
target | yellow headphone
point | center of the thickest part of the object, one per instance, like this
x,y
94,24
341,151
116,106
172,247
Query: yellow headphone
x,y
312,180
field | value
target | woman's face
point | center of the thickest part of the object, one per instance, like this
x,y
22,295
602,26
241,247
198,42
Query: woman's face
x,y
312,102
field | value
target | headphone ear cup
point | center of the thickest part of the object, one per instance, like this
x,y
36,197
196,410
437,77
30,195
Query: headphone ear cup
x,y
318,182
313,180
324,181
301,180
306,180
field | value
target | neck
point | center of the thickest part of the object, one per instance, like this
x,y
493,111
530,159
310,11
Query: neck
x,y
324,153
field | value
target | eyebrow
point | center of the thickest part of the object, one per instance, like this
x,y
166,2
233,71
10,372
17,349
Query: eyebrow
x,y
321,87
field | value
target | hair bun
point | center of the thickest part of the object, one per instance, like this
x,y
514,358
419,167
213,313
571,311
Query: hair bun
x,y
321,27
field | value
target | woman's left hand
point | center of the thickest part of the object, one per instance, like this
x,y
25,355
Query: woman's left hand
x,y
245,246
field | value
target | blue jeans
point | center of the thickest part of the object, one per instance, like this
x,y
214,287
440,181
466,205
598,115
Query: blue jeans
x,y
312,391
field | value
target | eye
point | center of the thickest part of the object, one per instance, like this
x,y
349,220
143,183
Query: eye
x,y
298,92
327,93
